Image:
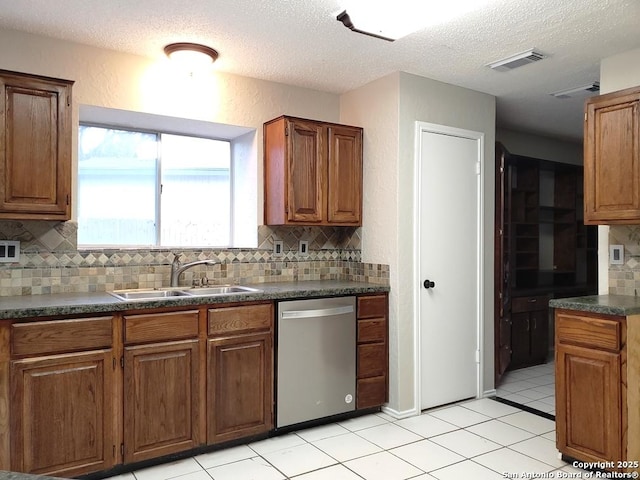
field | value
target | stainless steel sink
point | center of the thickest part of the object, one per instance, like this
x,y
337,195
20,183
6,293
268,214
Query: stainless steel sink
x,y
219,290
150,294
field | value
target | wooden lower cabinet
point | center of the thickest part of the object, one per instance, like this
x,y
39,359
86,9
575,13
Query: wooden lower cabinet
x,y
529,331
152,383
161,399
591,403
589,417
61,414
239,386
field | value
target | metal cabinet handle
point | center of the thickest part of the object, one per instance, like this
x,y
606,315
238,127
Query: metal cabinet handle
x,y
429,284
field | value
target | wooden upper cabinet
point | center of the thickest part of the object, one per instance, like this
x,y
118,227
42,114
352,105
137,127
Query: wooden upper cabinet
x,y
35,147
312,173
345,175
612,158
306,163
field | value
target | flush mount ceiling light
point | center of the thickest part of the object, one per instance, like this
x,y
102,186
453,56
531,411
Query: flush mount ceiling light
x,y
192,55
378,19
581,91
517,60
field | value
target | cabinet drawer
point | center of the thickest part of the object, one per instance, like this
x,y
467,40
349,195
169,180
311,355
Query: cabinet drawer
x,y
41,338
598,332
372,360
529,304
371,392
154,327
243,318
374,330
372,306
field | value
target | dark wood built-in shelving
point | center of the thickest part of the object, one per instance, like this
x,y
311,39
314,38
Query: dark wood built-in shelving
x,y
543,251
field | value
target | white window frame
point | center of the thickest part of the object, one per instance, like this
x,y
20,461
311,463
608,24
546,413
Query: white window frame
x,y
246,168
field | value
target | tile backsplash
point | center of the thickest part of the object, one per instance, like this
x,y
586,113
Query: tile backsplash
x,y
625,279
50,261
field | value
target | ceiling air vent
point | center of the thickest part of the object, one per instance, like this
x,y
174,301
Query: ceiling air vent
x,y
517,60
581,91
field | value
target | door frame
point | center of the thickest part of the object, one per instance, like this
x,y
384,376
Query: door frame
x,y
479,137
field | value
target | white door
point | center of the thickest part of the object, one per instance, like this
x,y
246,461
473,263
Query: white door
x,y
449,219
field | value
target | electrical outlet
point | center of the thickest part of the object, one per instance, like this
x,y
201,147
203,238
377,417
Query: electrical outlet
x,y
9,251
278,248
616,254
303,248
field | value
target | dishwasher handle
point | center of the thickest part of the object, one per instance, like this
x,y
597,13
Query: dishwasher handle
x,y
324,312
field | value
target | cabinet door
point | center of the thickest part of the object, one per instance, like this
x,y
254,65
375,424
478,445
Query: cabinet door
x,y
612,158
239,387
61,414
307,178
539,326
345,175
520,339
588,403
161,408
35,148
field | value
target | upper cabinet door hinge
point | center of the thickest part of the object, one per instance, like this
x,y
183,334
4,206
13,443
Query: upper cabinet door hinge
x,y
122,361
286,131
478,169
68,199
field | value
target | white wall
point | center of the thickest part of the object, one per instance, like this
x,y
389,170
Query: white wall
x,y
616,73
375,108
401,99
111,79
620,71
537,146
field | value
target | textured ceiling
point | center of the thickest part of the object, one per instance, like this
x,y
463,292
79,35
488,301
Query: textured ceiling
x,y
299,42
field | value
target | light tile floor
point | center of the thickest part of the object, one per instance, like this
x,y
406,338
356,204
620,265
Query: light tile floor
x,y
533,387
476,439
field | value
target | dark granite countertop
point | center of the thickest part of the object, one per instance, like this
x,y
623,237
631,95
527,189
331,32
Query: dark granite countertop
x,y
606,304
88,303
24,476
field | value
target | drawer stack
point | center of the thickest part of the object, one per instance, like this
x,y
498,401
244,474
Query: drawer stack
x,y
372,342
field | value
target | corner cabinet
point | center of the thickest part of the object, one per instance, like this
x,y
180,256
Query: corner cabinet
x,y
35,147
312,173
612,158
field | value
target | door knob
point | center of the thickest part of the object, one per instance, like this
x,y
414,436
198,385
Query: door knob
x,y
429,284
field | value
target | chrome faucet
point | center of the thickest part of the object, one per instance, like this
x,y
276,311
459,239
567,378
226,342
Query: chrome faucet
x,y
177,268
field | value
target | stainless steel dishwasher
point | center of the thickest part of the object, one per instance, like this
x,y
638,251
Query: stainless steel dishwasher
x,y
316,359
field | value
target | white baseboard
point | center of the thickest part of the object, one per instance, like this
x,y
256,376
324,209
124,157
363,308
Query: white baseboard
x,y
400,414
489,393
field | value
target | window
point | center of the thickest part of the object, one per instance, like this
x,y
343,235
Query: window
x,y
152,189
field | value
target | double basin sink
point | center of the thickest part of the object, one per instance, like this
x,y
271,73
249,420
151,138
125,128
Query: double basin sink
x,y
173,292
